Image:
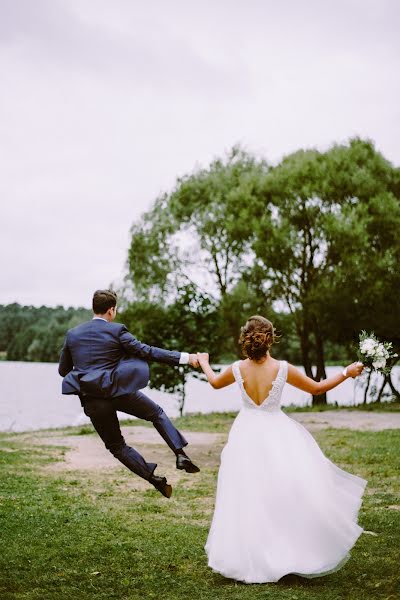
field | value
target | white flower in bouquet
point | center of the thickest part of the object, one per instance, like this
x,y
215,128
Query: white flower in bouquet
x,y
373,353
379,364
368,346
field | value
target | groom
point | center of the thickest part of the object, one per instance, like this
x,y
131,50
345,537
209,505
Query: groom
x,y
107,367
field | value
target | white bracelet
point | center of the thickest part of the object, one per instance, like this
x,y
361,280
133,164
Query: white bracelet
x,y
344,372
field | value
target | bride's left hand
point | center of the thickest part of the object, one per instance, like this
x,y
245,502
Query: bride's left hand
x,y
203,357
355,369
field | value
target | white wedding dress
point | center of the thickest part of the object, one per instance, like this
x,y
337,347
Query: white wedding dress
x,y
281,505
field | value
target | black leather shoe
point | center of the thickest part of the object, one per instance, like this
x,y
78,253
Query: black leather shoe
x,y
183,462
160,483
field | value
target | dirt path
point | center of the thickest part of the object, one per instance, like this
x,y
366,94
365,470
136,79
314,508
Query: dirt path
x,y
348,419
87,453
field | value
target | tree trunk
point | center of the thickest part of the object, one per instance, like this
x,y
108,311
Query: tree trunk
x,y
305,351
367,387
385,379
182,395
396,393
321,373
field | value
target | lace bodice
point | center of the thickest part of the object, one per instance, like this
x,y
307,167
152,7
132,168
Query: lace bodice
x,y
273,401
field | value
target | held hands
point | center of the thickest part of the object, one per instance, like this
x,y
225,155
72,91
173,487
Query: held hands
x,y
355,369
203,358
193,360
199,359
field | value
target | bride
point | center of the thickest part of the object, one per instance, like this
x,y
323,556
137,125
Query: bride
x,y
281,505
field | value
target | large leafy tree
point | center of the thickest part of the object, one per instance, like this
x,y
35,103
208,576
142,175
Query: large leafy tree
x,y
186,260
199,235
200,232
328,226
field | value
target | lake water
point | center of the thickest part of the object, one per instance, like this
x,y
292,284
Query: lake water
x,y
30,397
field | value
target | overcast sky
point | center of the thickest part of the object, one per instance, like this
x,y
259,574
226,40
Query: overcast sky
x,y
104,103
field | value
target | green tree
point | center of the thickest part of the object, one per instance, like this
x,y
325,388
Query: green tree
x,y
325,222
200,232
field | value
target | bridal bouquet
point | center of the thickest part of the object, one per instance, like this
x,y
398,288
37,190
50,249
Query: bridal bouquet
x,y
373,353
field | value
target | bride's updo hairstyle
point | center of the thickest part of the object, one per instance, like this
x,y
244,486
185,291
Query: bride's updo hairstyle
x,y
257,337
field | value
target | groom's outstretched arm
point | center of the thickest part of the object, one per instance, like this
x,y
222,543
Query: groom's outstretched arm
x,y
134,347
65,364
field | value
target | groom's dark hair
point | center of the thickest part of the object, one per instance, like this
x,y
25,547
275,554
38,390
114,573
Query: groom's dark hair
x,y
103,300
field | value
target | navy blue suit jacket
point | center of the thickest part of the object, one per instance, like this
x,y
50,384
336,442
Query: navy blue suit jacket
x,y
101,358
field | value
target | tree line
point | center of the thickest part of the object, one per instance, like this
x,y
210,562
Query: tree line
x,y
32,333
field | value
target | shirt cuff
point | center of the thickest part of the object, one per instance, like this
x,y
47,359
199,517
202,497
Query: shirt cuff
x,y
184,358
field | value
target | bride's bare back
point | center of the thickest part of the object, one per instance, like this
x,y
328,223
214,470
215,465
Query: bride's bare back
x,y
258,377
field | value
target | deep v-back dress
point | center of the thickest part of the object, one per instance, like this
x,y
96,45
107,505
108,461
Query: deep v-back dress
x,y
281,505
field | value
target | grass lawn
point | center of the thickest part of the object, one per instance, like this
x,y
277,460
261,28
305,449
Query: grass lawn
x,y
70,535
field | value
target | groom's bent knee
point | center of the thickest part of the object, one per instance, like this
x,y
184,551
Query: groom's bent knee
x,y
159,412
155,413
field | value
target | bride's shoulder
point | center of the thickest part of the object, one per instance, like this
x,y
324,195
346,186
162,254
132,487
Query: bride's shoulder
x,y
236,366
291,368
287,370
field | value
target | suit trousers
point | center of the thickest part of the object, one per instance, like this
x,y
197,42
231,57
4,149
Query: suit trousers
x,y
103,415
